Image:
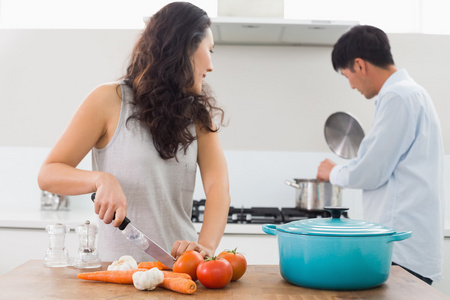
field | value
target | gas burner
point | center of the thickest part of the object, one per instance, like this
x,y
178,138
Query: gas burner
x,y
291,214
255,215
261,215
198,207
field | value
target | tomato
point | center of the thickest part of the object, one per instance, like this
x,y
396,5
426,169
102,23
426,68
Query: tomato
x,y
188,263
214,272
237,261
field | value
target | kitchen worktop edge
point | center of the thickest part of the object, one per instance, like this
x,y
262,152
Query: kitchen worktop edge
x,y
36,219
39,219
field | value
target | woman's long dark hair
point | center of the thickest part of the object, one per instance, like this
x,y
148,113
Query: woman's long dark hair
x,y
161,71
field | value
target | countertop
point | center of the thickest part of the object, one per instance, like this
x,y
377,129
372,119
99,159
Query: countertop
x,y
33,280
38,219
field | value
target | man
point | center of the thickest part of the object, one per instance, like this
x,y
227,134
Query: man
x,y
400,162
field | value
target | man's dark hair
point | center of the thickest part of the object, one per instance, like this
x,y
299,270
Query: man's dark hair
x,y
362,41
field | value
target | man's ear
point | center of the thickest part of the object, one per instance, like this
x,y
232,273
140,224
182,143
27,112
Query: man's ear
x,y
360,65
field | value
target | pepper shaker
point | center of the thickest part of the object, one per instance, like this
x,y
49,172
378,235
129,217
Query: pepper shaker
x,y
87,256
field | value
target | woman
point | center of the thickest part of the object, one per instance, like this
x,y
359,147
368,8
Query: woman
x,y
147,133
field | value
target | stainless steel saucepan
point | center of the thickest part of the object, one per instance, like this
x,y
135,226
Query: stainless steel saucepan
x,y
312,194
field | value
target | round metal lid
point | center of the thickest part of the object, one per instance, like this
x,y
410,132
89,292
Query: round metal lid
x,y
335,226
343,134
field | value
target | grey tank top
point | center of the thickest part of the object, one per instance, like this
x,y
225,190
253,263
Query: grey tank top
x,y
159,192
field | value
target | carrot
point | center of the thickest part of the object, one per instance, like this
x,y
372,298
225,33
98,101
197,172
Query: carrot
x,y
162,266
153,264
114,276
180,285
170,274
148,265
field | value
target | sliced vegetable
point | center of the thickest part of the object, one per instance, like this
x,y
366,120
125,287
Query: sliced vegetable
x,y
162,266
148,265
180,285
237,261
126,262
170,274
153,264
148,280
114,276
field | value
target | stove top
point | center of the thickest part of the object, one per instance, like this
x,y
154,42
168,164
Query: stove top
x,y
255,215
261,215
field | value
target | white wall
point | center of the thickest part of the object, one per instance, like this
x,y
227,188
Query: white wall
x,y
257,178
276,98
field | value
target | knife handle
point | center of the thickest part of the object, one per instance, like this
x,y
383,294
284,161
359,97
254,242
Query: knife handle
x,y
125,221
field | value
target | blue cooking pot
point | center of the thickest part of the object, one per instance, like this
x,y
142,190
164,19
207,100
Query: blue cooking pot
x,y
335,253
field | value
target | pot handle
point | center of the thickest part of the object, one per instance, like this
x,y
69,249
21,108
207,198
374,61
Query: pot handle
x,y
400,236
293,184
270,229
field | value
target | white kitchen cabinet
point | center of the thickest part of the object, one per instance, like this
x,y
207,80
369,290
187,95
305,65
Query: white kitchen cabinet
x,y
24,237
27,238
22,244
444,285
258,249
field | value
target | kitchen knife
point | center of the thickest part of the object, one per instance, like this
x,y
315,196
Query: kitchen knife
x,y
143,242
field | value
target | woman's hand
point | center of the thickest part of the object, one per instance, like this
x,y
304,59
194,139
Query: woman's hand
x,y
110,199
179,247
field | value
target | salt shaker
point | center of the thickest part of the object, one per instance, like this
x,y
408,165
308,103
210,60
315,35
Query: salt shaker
x,y
87,255
56,254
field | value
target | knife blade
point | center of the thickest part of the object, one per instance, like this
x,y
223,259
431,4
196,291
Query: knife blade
x,y
143,242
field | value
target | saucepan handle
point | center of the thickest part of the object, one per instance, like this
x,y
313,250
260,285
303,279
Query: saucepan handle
x,y
270,229
400,236
293,184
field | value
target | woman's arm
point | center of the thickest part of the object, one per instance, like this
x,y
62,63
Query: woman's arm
x,y
214,172
92,125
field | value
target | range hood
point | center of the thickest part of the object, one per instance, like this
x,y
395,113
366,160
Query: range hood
x,y
277,31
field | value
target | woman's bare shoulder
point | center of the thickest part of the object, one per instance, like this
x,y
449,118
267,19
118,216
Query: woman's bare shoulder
x,y
106,92
105,99
103,104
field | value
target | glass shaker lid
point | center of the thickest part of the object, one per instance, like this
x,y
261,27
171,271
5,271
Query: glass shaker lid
x,y
57,228
86,228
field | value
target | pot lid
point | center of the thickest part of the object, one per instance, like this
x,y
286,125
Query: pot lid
x,y
335,226
343,134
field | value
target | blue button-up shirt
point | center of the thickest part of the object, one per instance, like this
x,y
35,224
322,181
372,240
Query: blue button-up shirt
x,y
399,167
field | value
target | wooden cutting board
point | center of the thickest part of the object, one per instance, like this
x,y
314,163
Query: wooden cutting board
x,y
34,281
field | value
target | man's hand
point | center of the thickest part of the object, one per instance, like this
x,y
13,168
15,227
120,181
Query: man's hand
x,y
324,170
